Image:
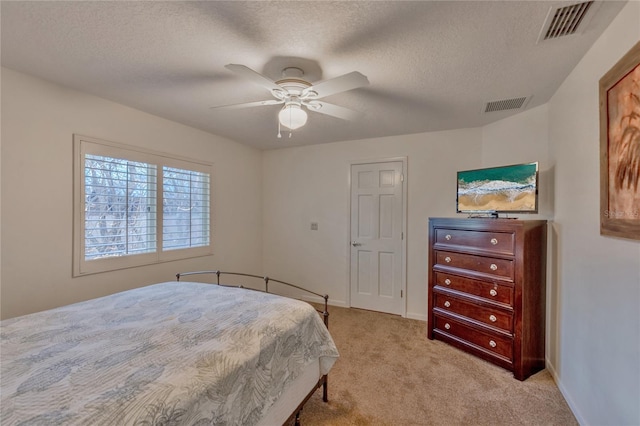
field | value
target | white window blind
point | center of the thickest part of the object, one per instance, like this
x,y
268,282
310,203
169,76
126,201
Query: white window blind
x,y
186,215
134,207
120,207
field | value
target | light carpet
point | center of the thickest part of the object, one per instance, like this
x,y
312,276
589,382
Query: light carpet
x,y
389,373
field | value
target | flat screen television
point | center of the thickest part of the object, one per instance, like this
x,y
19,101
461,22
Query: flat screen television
x,y
505,189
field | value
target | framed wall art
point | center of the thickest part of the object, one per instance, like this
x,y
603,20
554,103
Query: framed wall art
x,y
620,148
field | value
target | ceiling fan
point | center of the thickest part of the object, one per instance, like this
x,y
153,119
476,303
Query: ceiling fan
x,y
295,93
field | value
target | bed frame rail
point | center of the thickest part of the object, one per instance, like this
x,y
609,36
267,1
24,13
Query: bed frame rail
x,y
267,280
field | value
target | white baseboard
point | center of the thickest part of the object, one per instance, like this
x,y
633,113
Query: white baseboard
x,y
343,304
420,317
330,302
565,393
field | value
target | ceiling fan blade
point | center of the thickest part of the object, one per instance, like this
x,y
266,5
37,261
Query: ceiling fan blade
x,y
336,85
333,110
249,104
254,76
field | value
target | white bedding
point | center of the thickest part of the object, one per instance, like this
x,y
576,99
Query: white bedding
x,y
170,353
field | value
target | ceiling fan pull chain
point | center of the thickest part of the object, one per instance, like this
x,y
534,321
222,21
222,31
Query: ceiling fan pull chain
x,y
279,134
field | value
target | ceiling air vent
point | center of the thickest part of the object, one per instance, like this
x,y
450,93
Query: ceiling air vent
x,y
564,21
505,104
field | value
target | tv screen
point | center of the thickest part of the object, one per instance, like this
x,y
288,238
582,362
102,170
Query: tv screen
x,y
506,189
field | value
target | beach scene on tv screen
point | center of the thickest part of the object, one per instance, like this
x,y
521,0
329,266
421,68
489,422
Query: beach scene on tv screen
x,y
510,188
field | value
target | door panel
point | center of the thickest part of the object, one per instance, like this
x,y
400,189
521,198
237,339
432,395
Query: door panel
x,y
365,216
387,282
386,216
364,269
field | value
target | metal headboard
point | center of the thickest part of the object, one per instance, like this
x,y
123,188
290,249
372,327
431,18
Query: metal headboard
x,y
267,280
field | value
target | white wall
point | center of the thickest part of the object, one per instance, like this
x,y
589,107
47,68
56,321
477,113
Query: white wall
x,y
311,183
596,349
0,194
38,123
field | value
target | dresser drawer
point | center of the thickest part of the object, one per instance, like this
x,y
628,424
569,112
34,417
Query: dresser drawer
x,y
481,264
491,317
498,345
491,291
498,242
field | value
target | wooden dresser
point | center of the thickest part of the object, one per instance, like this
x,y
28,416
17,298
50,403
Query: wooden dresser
x,y
487,281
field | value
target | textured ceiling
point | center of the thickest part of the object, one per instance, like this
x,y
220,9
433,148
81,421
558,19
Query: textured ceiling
x,y
431,65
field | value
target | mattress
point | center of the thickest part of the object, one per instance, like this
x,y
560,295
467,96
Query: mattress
x,y
291,397
171,353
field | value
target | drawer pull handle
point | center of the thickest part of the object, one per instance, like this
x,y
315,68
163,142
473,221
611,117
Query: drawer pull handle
x,y
447,326
447,281
494,241
447,304
493,318
447,237
493,292
447,259
492,343
493,266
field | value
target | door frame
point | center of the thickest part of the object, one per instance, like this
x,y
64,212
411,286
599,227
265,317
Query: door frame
x,y
403,255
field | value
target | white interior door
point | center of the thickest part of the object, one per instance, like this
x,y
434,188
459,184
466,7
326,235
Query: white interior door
x,y
377,237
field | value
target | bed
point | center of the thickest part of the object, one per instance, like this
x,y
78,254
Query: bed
x,y
173,353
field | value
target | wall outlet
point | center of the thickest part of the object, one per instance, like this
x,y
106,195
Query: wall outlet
x,y
314,226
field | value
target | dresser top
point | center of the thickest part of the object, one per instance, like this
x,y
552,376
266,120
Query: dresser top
x,y
482,223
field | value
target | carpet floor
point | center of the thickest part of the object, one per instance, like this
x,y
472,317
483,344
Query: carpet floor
x,y
389,373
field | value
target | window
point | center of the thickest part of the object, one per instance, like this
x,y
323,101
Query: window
x,y
119,207
186,209
134,207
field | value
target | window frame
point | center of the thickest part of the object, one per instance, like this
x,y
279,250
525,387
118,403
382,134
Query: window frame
x,y
88,145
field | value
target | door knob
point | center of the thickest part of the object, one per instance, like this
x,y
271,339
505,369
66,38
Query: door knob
x,y
355,244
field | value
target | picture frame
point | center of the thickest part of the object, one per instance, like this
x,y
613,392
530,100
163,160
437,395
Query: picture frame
x,y
620,148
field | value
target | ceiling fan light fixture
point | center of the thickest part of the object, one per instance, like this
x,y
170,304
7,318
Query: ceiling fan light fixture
x,y
292,116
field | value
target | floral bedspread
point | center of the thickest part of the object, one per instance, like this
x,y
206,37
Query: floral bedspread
x,y
170,353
